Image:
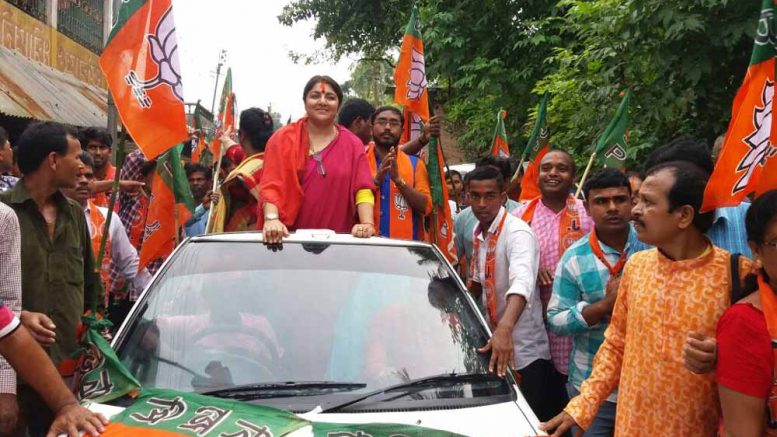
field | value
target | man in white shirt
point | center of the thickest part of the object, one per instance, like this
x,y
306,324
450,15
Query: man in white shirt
x,y
119,250
505,263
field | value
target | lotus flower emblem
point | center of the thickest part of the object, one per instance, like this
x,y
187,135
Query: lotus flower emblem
x,y
164,52
417,83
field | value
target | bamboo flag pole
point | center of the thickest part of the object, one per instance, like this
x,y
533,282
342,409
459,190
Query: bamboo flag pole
x,y
585,175
111,205
216,172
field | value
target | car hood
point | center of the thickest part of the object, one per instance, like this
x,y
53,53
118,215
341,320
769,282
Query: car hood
x,y
506,419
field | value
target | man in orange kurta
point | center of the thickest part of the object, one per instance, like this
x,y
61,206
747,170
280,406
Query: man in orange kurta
x,y
667,296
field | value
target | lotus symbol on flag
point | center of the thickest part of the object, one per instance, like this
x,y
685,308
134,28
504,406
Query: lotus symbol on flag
x,y
415,126
417,83
760,146
164,52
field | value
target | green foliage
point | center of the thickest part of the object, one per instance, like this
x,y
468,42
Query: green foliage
x,y
683,60
369,80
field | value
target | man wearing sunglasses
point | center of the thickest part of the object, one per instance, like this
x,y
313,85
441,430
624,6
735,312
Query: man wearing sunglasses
x,y
401,179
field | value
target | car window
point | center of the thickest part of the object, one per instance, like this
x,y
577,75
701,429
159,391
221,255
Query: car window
x,y
228,313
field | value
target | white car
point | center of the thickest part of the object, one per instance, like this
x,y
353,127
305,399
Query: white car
x,y
332,328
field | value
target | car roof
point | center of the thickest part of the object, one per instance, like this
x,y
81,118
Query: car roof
x,y
309,236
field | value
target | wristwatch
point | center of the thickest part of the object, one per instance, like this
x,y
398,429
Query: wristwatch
x,y
269,217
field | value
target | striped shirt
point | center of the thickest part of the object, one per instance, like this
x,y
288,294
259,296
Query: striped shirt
x,y
728,229
580,281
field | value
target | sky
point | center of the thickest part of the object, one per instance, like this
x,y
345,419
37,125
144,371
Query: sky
x,y
257,48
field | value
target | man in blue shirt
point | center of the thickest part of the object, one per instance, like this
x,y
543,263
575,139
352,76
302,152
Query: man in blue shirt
x,y
200,178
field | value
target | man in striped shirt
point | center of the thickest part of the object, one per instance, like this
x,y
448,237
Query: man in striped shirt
x,y
586,282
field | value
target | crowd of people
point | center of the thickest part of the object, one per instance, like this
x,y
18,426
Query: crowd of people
x,y
627,312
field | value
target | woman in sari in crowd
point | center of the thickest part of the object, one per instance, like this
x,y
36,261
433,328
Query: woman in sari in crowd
x,y
316,174
747,336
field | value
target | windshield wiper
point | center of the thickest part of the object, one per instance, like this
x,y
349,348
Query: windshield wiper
x,y
282,389
413,386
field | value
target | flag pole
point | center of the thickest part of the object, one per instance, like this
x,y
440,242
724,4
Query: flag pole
x,y
585,175
111,206
518,170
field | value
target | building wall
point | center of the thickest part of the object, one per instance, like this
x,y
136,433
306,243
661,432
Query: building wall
x,y
40,42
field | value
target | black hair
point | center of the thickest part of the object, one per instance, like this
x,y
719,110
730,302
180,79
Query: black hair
x,y
98,134
3,136
196,167
633,174
683,148
563,152
393,109
147,167
606,178
86,158
315,80
450,173
257,125
760,215
485,173
688,189
500,163
40,139
226,161
354,108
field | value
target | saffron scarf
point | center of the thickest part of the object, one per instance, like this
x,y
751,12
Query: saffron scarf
x,y
102,199
615,271
98,226
489,284
401,215
569,227
286,155
769,306
248,175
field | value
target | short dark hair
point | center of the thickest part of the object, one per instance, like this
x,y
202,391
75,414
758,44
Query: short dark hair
x,y
485,173
606,178
257,125
500,163
451,173
98,134
327,80
86,158
40,139
563,152
196,167
393,109
354,108
3,136
760,215
683,148
226,161
688,189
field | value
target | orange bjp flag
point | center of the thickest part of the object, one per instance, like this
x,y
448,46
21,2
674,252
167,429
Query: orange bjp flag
x,y
140,64
537,147
226,117
747,160
410,74
500,147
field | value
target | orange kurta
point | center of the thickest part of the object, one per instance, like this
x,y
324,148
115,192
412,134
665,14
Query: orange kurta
x,y
659,302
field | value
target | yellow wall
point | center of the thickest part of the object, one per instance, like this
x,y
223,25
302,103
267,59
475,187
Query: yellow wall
x,y
36,40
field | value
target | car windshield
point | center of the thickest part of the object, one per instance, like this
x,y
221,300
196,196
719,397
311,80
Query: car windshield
x,y
229,314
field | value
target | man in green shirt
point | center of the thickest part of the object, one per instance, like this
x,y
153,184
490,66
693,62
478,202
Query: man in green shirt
x,y
59,280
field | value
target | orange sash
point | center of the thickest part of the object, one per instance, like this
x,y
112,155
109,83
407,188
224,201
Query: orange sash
x,y
569,227
138,226
102,199
489,286
98,226
769,306
615,271
401,215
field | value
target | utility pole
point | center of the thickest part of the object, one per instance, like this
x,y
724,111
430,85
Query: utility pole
x,y
222,61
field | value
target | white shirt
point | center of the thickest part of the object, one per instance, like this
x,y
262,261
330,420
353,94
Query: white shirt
x,y
123,253
515,272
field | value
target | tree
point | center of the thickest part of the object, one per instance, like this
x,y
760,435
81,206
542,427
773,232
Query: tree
x,y
682,59
369,80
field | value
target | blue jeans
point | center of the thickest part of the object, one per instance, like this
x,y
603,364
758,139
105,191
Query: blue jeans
x,y
604,422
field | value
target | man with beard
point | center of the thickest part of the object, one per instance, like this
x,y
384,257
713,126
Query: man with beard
x,y
678,290
237,208
118,248
558,220
59,279
200,179
586,282
505,260
401,179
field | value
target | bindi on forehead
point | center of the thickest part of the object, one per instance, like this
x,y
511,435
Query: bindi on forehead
x,y
322,87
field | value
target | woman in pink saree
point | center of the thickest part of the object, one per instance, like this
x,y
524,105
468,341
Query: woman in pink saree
x,y
316,174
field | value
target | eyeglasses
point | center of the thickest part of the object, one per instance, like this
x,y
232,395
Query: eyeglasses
x,y
385,122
